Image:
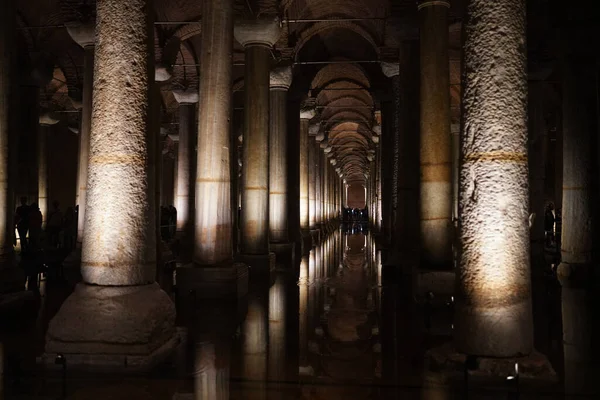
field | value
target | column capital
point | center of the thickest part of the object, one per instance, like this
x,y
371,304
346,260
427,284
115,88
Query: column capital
x,y
46,119
313,129
390,69
161,73
186,96
430,3
258,32
82,34
280,78
307,113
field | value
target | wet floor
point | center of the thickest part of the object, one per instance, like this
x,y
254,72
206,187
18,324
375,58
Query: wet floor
x,y
329,327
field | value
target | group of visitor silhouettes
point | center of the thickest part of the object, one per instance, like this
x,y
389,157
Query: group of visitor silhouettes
x,y
355,214
60,232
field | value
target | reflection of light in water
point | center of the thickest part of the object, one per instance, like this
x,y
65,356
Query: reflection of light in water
x,y
211,374
277,343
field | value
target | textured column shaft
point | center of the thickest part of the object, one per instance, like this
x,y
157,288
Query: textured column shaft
x,y
84,139
7,142
278,194
318,185
213,237
494,314
120,247
436,185
579,126
312,182
255,174
304,175
387,169
184,193
42,163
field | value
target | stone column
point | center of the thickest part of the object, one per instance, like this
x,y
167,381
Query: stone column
x,y
493,298
392,71
318,165
213,273
312,183
436,185
84,35
10,278
118,317
577,273
257,37
186,157
280,81
306,114
44,204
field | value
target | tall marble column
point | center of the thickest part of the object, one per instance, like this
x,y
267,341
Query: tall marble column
x,y
306,114
84,35
118,317
493,298
46,123
186,157
313,147
436,185
213,272
9,275
258,37
280,81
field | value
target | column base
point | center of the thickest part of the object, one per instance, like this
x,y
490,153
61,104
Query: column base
x,y
103,328
259,264
447,363
285,253
213,282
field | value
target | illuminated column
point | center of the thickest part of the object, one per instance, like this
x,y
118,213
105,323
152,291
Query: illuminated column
x,y
436,185
257,37
184,186
455,131
280,81
118,317
46,122
9,275
494,315
84,35
325,171
306,114
577,271
213,272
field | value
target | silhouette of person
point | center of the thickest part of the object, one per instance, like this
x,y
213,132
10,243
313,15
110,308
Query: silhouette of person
x,y
35,226
22,222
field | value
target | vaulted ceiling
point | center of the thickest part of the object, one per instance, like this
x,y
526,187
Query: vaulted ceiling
x,y
335,62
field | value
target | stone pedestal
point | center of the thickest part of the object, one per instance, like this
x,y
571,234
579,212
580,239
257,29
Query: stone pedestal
x,y
448,365
111,329
285,253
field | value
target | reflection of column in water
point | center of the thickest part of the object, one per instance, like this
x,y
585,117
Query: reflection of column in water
x,y
255,332
211,374
312,289
277,354
577,342
303,316
435,387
